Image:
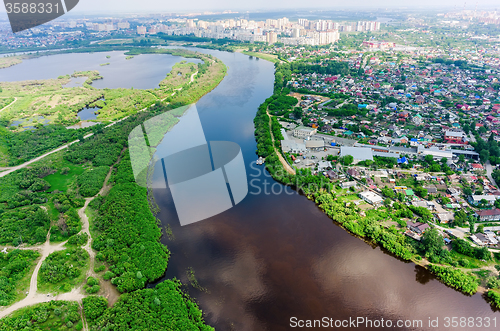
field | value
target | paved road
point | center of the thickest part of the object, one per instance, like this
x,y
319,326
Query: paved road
x,y
489,170
457,232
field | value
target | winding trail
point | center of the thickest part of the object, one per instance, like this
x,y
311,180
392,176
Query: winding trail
x,y
10,104
285,164
45,249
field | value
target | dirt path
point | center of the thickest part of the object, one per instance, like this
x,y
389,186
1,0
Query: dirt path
x,y
77,293
285,164
10,104
25,164
33,297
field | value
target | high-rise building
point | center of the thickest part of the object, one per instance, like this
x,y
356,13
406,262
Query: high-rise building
x,y
141,30
271,37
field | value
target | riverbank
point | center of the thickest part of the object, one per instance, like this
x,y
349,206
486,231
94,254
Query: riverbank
x,y
370,225
119,187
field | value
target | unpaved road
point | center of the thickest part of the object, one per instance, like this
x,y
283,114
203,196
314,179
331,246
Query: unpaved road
x,y
77,294
10,104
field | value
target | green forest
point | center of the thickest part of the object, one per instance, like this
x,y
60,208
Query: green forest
x,y
47,196
164,307
53,315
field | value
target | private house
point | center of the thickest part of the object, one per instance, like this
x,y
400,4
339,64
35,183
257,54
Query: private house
x,y
488,215
455,137
417,227
348,184
475,199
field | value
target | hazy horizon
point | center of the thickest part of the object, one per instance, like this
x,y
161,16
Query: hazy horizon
x,y
155,6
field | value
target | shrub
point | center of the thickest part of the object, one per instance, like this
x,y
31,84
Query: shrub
x,y
94,306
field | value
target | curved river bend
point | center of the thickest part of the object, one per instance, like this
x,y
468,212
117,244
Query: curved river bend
x,y
275,255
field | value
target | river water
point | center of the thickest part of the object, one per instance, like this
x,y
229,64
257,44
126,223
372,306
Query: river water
x,y
276,255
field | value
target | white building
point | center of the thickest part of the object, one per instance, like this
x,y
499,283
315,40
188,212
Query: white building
x,y
304,132
372,198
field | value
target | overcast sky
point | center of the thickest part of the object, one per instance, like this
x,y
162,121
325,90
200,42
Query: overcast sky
x,y
115,6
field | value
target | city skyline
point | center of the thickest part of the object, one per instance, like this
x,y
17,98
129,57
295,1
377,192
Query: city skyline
x,y
115,6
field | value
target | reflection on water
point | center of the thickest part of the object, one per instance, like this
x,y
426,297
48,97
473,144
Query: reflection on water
x,y
142,72
273,257
28,123
88,114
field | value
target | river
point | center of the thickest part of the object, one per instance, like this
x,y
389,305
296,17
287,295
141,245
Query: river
x,y
275,255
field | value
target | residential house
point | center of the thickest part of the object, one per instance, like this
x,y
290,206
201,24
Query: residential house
x,y
488,215
417,227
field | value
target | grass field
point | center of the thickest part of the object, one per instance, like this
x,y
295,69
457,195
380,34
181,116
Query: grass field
x,y
267,57
59,181
9,61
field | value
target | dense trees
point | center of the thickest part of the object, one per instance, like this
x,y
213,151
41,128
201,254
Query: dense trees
x,y
94,306
24,225
163,308
25,145
91,181
62,268
14,266
494,297
466,283
281,103
465,248
53,315
330,68
128,233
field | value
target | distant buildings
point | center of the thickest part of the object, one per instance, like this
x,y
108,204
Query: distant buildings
x,y
378,44
141,30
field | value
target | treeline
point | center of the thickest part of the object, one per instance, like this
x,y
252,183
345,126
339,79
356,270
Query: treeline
x,y
128,238
26,145
14,266
466,283
163,308
367,227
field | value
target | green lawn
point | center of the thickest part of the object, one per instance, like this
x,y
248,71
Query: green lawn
x,y
60,182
